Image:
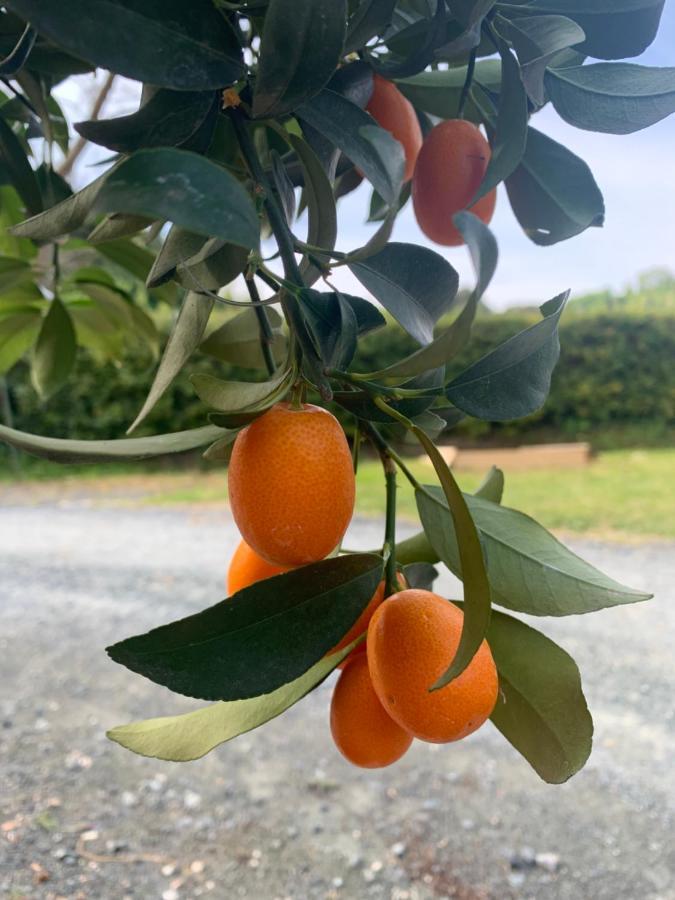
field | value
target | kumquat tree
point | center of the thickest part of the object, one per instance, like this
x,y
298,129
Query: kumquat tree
x,y
256,118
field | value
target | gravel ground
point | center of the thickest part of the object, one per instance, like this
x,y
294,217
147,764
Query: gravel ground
x,y
278,813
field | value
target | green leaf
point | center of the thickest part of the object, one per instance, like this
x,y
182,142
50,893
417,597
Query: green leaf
x,y
438,92
192,735
541,709
17,333
283,187
13,271
416,285
483,249
179,245
371,148
361,404
371,17
184,339
513,380
260,638
300,49
508,142
331,322
214,266
116,226
169,118
492,486
529,570
63,218
221,450
14,61
473,566
185,188
13,158
614,29
537,40
235,396
61,450
238,340
553,193
321,212
186,47
420,575
615,98
55,349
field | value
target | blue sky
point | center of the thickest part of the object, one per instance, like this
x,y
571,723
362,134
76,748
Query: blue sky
x,y
636,174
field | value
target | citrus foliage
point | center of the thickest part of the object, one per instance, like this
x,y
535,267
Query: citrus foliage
x,y
243,104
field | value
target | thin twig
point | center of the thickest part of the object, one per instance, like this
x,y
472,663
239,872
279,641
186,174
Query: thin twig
x,y
79,145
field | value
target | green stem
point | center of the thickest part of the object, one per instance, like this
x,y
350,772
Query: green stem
x,y
390,581
266,333
356,446
467,83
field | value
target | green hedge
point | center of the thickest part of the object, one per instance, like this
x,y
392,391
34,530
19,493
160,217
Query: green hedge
x,y
616,373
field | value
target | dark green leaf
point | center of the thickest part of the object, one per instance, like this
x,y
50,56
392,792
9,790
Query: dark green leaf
x,y
492,486
332,324
469,12
553,193
360,404
215,265
260,638
508,142
541,709
438,92
283,186
529,570
235,396
14,271
184,188
420,575
416,285
371,148
371,17
186,47
17,333
321,212
54,352
116,226
14,61
615,98
483,249
238,340
194,734
63,218
299,51
179,245
62,450
169,118
184,339
13,158
221,450
514,379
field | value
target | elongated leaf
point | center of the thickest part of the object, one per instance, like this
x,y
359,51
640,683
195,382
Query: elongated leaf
x,y
187,47
235,396
438,92
513,380
55,348
541,709
416,285
371,17
166,120
492,486
441,350
14,271
184,339
508,143
299,51
14,61
615,98
179,245
215,265
62,218
553,193
537,40
117,225
614,29
474,575
331,322
17,333
61,450
361,405
238,340
371,148
283,187
184,188
290,621
13,158
321,211
194,734
529,570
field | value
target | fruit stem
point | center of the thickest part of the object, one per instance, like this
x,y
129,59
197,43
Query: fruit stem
x,y
389,549
356,446
266,333
467,83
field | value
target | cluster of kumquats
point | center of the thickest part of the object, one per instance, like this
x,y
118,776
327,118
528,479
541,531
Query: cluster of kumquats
x,y
382,699
446,166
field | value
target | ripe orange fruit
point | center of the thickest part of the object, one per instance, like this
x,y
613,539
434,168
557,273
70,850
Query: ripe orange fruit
x,y
247,567
396,114
361,623
411,640
450,167
362,730
291,484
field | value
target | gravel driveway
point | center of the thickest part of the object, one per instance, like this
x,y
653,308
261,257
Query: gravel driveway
x,y
278,813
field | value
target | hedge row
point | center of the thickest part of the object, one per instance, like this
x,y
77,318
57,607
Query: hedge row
x,y
616,371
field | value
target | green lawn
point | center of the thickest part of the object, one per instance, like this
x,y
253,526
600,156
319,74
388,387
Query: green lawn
x,y
622,491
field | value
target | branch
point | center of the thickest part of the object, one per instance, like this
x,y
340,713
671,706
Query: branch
x,y
79,145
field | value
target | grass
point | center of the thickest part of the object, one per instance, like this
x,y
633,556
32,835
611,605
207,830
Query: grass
x,y
626,492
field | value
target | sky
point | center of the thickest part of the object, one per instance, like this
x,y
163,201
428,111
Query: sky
x,y
636,174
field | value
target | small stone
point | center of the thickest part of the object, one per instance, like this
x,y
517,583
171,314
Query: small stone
x,y
468,824
191,800
129,798
89,835
368,875
548,861
41,724
197,867
170,894
524,859
516,879
113,846
168,870
76,760
398,849
59,853
337,882
376,866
